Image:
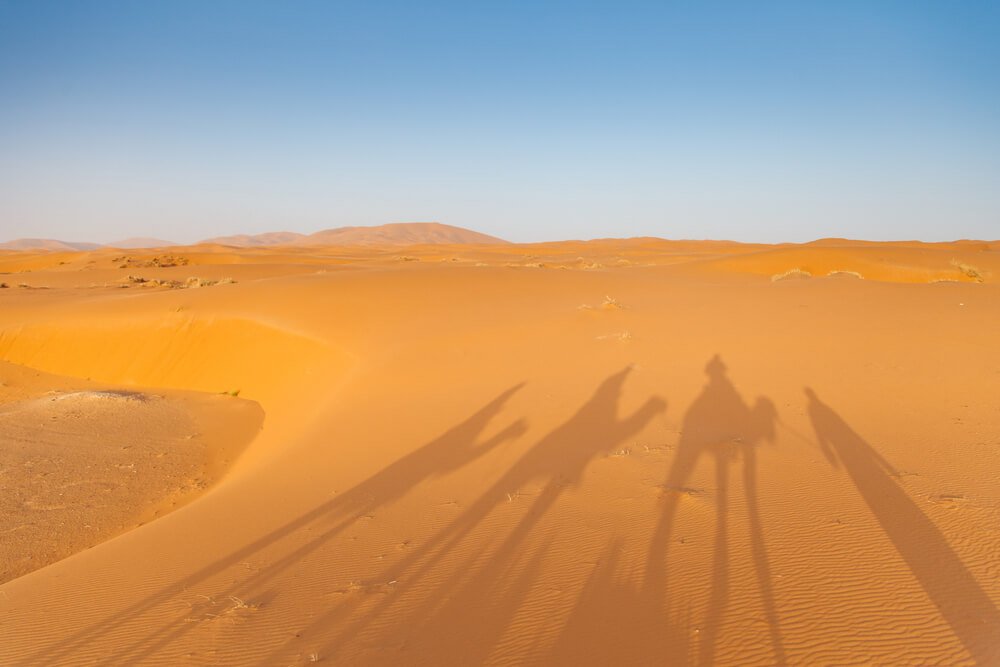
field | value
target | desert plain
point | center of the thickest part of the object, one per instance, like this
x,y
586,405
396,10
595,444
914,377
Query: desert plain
x,y
639,451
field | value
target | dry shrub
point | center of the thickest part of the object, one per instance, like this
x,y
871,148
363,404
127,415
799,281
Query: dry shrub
x,y
791,273
968,270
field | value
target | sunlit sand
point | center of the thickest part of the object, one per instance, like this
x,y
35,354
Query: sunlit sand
x,y
610,452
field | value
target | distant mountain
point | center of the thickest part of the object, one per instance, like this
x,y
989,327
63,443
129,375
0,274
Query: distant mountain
x,y
400,233
139,242
47,244
250,240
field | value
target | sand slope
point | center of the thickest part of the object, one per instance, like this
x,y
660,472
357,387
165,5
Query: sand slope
x,y
83,462
640,452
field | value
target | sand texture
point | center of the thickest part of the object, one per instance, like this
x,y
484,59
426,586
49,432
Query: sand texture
x,y
633,452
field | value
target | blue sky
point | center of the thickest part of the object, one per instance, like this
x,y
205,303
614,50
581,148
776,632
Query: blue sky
x,y
780,121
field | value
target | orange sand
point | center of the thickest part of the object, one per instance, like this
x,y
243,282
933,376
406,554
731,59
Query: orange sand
x,y
83,463
611,452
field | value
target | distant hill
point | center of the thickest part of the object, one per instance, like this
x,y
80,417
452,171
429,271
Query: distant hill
x,y
139,242
47,244
398,233
250,240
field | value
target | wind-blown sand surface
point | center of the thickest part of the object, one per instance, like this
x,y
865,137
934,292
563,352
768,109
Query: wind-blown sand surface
x,y
83,463
614,452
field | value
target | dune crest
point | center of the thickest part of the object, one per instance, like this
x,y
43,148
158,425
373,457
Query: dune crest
x,y
399,233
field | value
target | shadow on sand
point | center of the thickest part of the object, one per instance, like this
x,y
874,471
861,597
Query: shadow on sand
x,y
962,602
721,427
454,449
493,578
496,590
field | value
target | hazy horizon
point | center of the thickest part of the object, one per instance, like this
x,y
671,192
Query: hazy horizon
x,y
111,242
767,123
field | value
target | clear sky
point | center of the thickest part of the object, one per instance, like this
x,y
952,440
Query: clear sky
x,y
759,121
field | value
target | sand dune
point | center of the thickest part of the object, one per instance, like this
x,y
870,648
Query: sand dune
x,y
606,452
250,240
139,242
46,244
400,233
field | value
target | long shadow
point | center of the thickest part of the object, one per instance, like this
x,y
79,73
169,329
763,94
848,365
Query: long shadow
x,y
721,427
963,603
613,622
454,449
558,461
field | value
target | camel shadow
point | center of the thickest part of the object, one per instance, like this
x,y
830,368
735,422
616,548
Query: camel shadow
x,y
557,462
456,448
721,427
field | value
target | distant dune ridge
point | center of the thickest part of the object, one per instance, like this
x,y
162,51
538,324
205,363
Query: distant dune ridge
x,y
251,240
399,233
139,242
409,233
47,244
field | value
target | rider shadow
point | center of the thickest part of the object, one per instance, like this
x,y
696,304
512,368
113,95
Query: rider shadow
x,y
721,427
963,603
